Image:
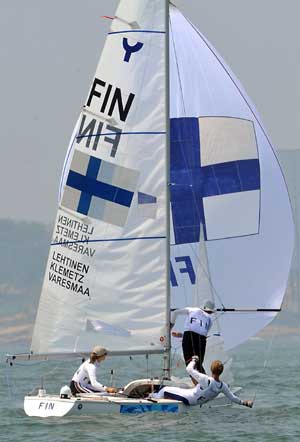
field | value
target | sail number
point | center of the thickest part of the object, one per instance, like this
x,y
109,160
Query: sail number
x,y
184,265
47,405
110,99
202,323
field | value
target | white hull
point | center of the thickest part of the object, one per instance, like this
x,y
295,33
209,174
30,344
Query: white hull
x,y
54,406
89,404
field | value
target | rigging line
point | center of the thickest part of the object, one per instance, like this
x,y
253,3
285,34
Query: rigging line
x,y
47,374
50,373
173,356
28,364
208,276
214,292
215,319
9,383
177,67
267,354
147,365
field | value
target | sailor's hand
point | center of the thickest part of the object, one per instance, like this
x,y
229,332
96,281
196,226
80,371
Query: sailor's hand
x,y
195,358
111,389
176,334
248,404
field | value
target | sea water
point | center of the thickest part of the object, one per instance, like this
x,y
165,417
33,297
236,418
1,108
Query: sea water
x,y
267,370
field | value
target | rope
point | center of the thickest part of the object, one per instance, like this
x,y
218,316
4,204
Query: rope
x,y
147,365
10,386
173,357
215,291
267,354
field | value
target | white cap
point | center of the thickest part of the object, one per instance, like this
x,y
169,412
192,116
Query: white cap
x,y
209,306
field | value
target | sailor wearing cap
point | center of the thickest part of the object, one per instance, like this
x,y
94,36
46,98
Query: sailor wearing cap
x,y
85,379
196,327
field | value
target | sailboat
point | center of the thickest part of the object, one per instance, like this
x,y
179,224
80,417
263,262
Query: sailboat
x,y
171,193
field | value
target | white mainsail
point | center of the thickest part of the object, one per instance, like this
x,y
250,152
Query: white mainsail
x,y
225,168
105,280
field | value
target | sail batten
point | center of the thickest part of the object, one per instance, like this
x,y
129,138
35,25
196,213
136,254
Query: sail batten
x,y
107,240
137,31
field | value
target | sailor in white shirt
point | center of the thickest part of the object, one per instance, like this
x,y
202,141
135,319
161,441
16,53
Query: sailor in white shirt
x,y
196,327
208,388
85,379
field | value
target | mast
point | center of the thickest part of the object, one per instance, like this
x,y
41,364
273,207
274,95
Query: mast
x,y
167,356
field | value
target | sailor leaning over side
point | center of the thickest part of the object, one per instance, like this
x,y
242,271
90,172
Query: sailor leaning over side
x,y
208,387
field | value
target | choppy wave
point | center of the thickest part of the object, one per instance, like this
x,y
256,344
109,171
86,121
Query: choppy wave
x,y
269,375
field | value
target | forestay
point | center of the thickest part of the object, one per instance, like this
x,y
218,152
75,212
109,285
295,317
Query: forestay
x,y
226,178
105,280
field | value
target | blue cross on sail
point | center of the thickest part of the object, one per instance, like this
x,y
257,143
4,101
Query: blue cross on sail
x,y
215,178
99,189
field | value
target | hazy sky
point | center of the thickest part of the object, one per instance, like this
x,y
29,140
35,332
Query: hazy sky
x,y
48,54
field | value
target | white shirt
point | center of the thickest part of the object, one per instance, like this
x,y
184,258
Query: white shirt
x,y
86,376
197,320
208,388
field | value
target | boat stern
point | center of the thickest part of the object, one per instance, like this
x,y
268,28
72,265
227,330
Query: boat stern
x,y
48,406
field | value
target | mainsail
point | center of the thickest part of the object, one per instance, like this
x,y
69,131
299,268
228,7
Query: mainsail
x,y
105,280
225,169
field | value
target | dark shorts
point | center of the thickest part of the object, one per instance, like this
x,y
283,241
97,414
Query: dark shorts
x,y
194,345
73,388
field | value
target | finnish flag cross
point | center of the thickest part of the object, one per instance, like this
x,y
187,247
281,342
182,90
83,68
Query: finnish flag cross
x,y
215,178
